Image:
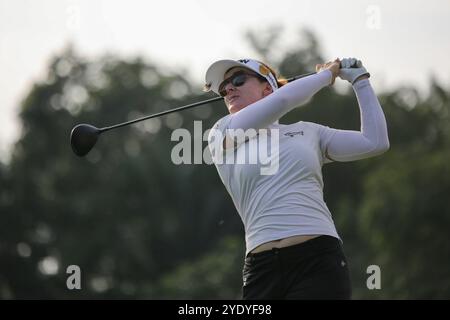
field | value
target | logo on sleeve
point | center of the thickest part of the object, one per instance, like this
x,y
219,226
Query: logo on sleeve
x,y
294,133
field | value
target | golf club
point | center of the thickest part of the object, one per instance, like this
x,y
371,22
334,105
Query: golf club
x,y
84,136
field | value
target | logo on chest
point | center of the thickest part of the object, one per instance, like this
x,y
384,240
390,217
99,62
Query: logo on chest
x,y
294,133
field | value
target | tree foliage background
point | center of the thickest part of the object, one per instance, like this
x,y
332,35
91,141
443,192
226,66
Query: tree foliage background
x,y
141,227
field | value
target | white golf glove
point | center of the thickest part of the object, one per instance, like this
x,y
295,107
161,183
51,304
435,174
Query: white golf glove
x,y
352,69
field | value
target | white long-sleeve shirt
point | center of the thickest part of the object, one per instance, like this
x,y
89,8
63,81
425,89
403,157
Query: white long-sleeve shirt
x,y
288,201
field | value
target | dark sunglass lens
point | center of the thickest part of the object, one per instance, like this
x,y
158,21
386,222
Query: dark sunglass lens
x,y
239,80
236,80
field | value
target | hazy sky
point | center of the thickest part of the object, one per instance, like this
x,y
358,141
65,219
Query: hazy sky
x,y
401,42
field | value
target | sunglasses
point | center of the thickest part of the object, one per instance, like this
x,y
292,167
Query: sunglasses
x,y
238,79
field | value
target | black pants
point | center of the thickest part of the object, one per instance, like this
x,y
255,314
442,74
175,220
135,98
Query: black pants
x,y
315,269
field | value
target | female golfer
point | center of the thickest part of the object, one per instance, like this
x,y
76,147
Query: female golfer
x,y
293,250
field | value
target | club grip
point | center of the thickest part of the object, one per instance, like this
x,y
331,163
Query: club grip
x,y
355,65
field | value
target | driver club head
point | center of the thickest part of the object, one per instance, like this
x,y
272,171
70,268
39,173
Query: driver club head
x,y
83,138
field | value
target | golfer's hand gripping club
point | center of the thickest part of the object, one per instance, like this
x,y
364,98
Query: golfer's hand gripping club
x,y
352,69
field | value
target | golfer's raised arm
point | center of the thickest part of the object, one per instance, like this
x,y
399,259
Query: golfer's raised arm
x,y
372,140
268,110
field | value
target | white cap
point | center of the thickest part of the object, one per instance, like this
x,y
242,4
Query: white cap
x,y
216,72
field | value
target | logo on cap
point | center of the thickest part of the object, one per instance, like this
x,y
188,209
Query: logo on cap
x,y
263,70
